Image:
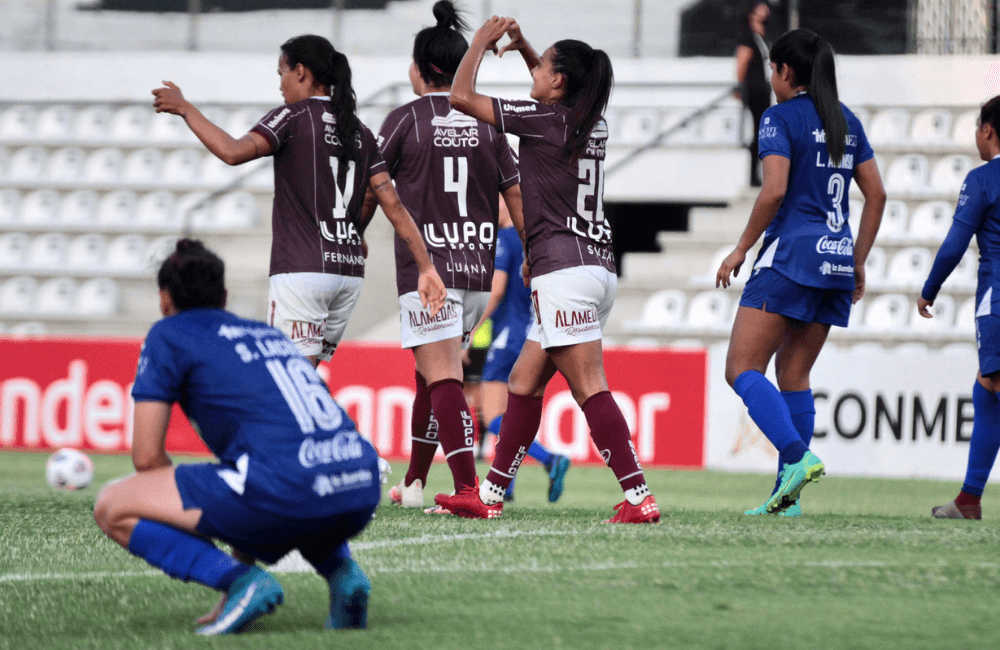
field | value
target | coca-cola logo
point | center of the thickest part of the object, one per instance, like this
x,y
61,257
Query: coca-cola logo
x,y
344,446
827,246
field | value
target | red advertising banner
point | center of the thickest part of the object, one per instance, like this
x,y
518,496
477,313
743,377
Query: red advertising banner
x,y
76,393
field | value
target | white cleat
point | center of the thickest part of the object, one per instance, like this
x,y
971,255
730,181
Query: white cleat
x,y
408,496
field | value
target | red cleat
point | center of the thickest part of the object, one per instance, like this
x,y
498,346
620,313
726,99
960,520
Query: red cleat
x,y
466,503
646,512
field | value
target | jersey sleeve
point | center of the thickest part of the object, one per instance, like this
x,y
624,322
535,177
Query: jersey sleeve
x,y
506,257
774,137
864,150
159,375
390,138
506,164
376,163
973,204
274,127
522,118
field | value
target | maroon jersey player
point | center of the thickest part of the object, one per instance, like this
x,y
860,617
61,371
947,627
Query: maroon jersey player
x,y
573,283
447,167
325,160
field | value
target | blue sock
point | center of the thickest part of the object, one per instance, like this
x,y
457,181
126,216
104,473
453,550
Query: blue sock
x,y
985,440
494,425
540,453
770,413
802,408
336,559
184,556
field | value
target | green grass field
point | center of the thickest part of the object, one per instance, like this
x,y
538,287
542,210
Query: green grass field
x,y
867,567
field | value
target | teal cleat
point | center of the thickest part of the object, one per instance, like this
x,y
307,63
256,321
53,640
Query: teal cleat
x,y
794,510
759,510
558,467
349,592
254,594
795,476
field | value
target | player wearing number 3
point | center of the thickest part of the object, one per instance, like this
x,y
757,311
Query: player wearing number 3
x,y
569,251
293,471
810,266
325,160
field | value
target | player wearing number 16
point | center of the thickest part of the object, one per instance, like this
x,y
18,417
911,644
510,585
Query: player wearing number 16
x,y
325,160
811,266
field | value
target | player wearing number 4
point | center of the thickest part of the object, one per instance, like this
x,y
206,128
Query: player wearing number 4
x,y
448,168
572,268
325,160
293,471
810,267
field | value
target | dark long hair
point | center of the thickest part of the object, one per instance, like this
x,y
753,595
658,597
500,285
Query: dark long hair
x,y
588,77
194,276
331,69
438,50
990,114
811,59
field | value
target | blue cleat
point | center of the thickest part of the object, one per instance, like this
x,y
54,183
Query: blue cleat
x,y
794,510
795,476
349,592
254,594
557,476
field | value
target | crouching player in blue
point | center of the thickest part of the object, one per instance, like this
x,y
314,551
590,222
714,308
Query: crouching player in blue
x,y
293,472
978,214
510,308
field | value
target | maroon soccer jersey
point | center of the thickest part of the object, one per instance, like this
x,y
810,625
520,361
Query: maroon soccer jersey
x,y
563,201
448,169
316,220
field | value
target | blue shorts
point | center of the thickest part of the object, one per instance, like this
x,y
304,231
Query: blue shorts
x,y
268,537
499,363
772,292
988,344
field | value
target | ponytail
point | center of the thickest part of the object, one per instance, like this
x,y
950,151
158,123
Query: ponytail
x,y
588,79
811,59
438,50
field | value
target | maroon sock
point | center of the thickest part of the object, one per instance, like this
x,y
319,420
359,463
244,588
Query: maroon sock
x,y
966,499
517,429
455,429
610,433
423,436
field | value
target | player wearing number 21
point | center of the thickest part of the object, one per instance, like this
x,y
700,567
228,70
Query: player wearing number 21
x,y
325,160
811,267
569,251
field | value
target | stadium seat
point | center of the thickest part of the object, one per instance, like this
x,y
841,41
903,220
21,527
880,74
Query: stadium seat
x,y
911,350
966,274
239,121
889,127
17,295
964,132
116,209
909,268
66,165
948,174
10,204
18,122
886,313
97,297
215,173
86,253
856,317
894,221
142,167
128,124
48,252
263,177
56,297
28,328
157,211
663,309
93,123
235,211
875,267
4,159
907,174
639,126
181,167
160,249
39,208
78,208
931,126
27,164
642,342
709,310
127,254
691,133
931,221
167,128
722,126
14,250
707,279
855,191
372,117
54,123
943,310
104,166
965,317
195,211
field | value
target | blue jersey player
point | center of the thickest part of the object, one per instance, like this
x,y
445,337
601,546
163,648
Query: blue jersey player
x,y
978,214
510,308
810,267
293,471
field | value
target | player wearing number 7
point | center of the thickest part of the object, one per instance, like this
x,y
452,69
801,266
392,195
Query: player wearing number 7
x,y
810,266
325,160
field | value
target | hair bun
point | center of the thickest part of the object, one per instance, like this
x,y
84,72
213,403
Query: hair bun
x,y
448,16
188,245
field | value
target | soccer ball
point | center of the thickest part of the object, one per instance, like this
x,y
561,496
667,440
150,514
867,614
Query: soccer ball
x,y
69,469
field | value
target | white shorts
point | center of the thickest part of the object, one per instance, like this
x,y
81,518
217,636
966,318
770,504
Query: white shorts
x,y
461,311
312,309
571,305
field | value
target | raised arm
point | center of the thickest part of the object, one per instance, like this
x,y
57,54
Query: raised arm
x,y
520,44
225,147
463,96
870,183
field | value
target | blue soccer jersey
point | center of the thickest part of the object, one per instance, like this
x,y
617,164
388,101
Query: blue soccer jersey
x,y
258,404
513,315
809,241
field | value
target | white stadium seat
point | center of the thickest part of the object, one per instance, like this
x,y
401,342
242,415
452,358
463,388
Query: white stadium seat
x,y
709,310
707,279
909,268
195,211
907,174
87,253
215,173
181,167
48,252
160,249
4,159
263,177
932,126
56,297
964,132
17,295
54,123
93,123
966,274
949,173
18,122
97,297
10,205
78,208
875,267
129,123
28,328
965,317
157,211
886,313
164,127
855,191
943,310
889,126
116,209
104,166
663,309
688,134
722,126
142,166
856,317
14,250
639,126
40,208
235,211
239,121
66,165
27,164
127,254
931,220
894,221
854,209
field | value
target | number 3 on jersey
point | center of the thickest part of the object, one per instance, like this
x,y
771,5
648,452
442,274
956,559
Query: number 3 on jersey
x,y
835,188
